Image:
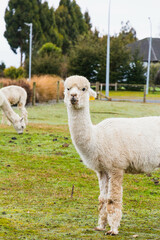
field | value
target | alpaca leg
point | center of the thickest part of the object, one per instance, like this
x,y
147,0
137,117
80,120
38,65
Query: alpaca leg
x,y
114,202
103,185
24,113
8,122
3,118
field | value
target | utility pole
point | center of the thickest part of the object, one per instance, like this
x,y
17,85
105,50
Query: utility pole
x,y
30,48
108,53
149,57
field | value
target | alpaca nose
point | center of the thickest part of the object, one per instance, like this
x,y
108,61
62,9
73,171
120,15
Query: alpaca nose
x,y
74,94
74,98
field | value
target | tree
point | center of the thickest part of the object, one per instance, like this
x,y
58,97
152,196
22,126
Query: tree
x,y
127,33
88,20
48,24
20,12
17,14
155,73
47,60
120,56
119,59
86,58
49,49
70,22
136,71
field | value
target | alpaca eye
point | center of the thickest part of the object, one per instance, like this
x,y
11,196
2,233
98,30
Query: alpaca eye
x,y
68,89
83,89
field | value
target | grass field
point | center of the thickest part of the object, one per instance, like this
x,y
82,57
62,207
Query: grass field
x,y
39,169
134,95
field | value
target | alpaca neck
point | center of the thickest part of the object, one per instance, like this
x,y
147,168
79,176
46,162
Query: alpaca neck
x,y
10,114
80,126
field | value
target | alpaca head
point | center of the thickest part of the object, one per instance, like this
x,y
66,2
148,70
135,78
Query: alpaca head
x,y
77,92
19,125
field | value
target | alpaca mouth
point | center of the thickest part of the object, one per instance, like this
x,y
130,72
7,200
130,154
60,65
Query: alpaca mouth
x,y
74,101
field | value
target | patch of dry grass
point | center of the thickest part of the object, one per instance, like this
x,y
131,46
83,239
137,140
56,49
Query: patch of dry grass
x,y
46,87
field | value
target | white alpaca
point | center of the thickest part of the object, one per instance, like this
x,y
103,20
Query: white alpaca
x,y
110,148
16,95
18,123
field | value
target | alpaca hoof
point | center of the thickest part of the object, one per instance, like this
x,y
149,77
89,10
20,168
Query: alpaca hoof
x,y
99,229
112,233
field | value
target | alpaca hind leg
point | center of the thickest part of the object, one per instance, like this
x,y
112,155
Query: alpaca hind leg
x,y
103,185
24,113
114,202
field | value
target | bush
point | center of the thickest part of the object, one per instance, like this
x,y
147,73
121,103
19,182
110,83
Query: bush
x,y
48,60
47,64
46,87
49,48
14,73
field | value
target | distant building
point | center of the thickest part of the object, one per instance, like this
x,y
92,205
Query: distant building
x,y
143,47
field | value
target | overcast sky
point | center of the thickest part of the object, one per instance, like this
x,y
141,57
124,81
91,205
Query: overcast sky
x,y
136,11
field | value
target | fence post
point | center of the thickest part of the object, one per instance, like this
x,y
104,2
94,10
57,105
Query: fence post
x,y
101,89
34,94
97,89
116,86
144,97
57,97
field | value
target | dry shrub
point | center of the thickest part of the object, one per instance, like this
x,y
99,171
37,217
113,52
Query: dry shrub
x,y
22,83
46,87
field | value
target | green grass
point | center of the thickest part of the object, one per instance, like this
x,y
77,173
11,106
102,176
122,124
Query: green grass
x,y
133,95
39,168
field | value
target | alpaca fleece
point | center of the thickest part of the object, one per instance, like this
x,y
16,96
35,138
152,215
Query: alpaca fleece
x,y
17,122
16,95
110,148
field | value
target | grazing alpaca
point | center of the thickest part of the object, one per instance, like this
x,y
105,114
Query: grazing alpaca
x,y
18,123
16,95
110,148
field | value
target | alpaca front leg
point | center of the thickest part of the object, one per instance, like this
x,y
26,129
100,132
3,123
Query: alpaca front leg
x,y
103,185
3,118
114,202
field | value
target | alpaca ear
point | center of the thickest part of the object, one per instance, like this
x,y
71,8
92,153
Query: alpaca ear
x,y
92,93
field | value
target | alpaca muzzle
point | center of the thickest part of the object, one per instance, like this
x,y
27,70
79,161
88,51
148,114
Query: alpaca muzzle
x,y
20,133
74,100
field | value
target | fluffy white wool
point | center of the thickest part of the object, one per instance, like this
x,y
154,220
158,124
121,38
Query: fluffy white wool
x,y
111,147
16,95
18,123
